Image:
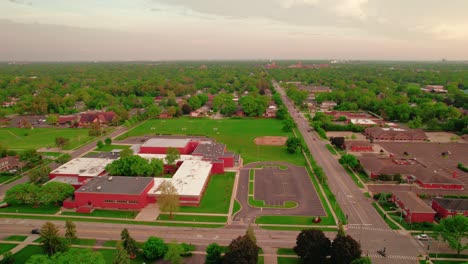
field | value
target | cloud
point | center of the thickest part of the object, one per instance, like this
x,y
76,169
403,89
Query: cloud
x,y
291,3
351,8
21,2
444,31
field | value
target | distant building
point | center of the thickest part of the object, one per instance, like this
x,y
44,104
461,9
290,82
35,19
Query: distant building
x,y
63,120
327,105
362,122
89,118
380,133
10,162
448,207
413,208
348,115
434,89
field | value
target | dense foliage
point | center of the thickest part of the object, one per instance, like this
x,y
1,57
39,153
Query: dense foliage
x,y
135,165
53,192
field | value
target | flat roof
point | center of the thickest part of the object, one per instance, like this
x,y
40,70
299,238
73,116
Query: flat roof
x,y
115,185
189,178
163,157
64,179
362,121
452,203
167,142
210,150
413,202
89,167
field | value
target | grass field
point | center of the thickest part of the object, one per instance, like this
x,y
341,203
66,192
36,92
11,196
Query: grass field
x,y
285,251
6,247
109,148
6,178
15,238
283,260
106,213
23,138
28,209
193,218
217,195
237,134
23,255
295,228
292,220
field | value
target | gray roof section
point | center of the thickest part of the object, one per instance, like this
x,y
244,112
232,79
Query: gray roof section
x,y
210,150
167,142
453,204
116,185
413,202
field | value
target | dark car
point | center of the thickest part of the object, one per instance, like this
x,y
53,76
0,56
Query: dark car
x,y
36,231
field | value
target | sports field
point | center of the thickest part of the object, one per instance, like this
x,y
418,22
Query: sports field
x,y
237,134
24,138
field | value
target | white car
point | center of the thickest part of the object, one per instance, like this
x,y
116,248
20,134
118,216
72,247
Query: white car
x,y
423,237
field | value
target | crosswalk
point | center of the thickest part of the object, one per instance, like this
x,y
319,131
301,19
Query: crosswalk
x,y
398,257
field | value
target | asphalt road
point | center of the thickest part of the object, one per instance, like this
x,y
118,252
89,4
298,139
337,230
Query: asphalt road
x,y
364,222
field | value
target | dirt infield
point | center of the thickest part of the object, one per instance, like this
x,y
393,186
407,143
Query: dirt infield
x,y
270,141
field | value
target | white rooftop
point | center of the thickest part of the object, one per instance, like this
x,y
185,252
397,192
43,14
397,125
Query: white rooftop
x,y
166,142
362,121
89,167
189,178
393,128
163,157
64,179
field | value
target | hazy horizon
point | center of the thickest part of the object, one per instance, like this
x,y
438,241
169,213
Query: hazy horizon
x,y
186,30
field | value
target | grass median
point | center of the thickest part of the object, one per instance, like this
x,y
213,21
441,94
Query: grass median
x,y
105,213
389,222
193,218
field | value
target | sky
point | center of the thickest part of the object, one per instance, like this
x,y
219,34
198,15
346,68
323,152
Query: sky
x,y
127,30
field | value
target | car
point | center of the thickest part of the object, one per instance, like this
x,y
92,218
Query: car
x,y
36,231
423,237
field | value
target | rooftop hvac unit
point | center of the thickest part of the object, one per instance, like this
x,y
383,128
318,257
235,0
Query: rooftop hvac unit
x,y
99,188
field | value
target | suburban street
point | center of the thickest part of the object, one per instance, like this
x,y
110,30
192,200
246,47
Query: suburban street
x,y
365,224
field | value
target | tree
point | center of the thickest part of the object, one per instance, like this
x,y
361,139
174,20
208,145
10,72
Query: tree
x,y
293,144
52,119
282,113
168,198
108,141
22,194
173,253
154,248
62,159
186,109
251,234
132,247
344,250
70,230
126,153
39,175
51,241
194,102
135,165
121,256
172,154
338,141
213,254
312,246
454,230
349,160
73,256
7,258
99,144
55,192
363,260
288,124
124,235
60,142
242,250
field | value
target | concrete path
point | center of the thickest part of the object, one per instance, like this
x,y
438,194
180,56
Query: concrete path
x,y
149,213
29,240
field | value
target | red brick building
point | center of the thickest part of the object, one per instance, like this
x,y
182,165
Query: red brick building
x,y
359,146
381,133
89,118
413,208
113,192
10,162
448,207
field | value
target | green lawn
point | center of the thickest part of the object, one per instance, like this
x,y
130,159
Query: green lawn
x,y
51,154
110,243
28,209
251,187
6,178
294,228
107,213
285,251
23,138
111,147
193,218
292,220
23,255
367,194
446,255
84,242
236,207
354,177
15,238
6,247
217,195
227,131
382,214
449,261
331,149
283,260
